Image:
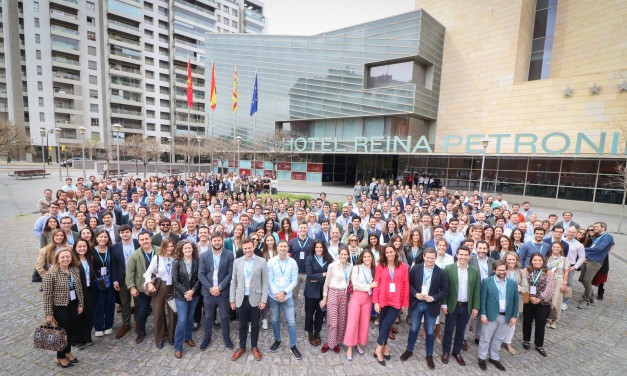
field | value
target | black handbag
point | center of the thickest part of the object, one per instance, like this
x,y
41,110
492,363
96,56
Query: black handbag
x,y
50,337
35,277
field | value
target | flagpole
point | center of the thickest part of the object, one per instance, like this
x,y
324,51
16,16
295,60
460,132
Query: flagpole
x,y
189,131
212,140
235,162
255,129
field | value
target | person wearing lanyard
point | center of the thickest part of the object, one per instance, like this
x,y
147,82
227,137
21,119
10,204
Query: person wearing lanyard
x,y
428,285
249,295
137,264
499,312
63,299
215,272
533,246
299,248
354,250
514,273
82,336
104,299
335,287
204,245
484,264
187,286
413,250
558,266
360,304
596,255
541,289
282,278
161,266
317,265
120,253
389,297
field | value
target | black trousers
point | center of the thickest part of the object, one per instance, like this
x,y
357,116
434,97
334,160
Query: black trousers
x,y
537,313
313,315
248,314
67,318
86,320
456,320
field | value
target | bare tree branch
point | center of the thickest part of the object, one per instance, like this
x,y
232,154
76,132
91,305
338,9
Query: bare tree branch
x,y
12,137
273,149
144,149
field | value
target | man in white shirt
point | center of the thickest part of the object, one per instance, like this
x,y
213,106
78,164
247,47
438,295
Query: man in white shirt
x,y
576,257
453,237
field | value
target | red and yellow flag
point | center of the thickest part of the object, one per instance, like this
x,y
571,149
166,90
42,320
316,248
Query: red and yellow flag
x,y
235,90
190,88
213,93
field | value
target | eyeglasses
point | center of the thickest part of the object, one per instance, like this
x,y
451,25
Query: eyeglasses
x,y
165,225
590,229
353,240
266,213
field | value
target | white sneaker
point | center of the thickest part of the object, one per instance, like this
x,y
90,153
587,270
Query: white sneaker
x,y
99,334
108,331
264,324
564,306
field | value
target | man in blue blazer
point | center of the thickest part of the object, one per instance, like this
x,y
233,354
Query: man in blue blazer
x,y
120,252
499,311
215,272
428,285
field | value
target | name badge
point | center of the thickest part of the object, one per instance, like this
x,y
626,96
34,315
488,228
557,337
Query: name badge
x,y
424,290
72,295
501,304
392,287
280,281
302,255
103,270
532,290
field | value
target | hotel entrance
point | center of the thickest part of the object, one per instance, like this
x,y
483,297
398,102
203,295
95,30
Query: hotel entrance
x,y
347,169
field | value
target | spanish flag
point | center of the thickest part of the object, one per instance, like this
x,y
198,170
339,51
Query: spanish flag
x,y
190,88
235,90
213,93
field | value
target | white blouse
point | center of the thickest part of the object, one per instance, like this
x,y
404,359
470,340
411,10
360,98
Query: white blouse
x,y
337,277
441,262
164,271
361,276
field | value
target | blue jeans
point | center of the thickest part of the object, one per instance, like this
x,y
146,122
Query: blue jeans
x,y
104,309
185,324
419,311
288,311
142,304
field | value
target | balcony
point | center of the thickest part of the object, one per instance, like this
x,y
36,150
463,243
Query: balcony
x,y
127,99
66,47
135,73
116,38
67,108
63,62
65,76
66,3
255,16
124,27
67,92
63,16
64,31
131,55
129,114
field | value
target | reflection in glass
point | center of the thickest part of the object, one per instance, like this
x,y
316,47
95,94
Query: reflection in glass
x,y
541,191
579,194
609,196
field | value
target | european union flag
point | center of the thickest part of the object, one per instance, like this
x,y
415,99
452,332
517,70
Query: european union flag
x,y
253,104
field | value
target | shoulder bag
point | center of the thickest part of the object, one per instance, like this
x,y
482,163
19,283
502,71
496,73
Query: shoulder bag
x,y
156,281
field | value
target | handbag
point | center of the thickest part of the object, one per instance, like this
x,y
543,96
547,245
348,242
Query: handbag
x,y
156,281
525,297
35,277
50,337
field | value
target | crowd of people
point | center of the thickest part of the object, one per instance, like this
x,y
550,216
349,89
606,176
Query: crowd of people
x,y
202,252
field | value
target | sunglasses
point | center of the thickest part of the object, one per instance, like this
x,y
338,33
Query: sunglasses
x,y
254,239
590,229
165,225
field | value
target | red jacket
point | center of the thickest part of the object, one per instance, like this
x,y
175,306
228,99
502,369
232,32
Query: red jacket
x,y
382,295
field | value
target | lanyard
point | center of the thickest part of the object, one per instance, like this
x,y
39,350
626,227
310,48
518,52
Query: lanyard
x,y
104,261
426,276
127,249
517,248
391,270
152,254
346,273
501,287
302,245
168,265
534,278
366,275
320,261
284,268
595,241
414,253
248,268
71,281
86,267
541,247
485,270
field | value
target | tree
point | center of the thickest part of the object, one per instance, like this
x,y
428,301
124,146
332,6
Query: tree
x,y
145,150
220,149
272,149
620,180
12,138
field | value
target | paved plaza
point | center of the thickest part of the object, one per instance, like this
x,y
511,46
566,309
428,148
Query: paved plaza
x,y
588,342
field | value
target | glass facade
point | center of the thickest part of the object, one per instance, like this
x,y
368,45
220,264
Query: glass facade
x,y
542,43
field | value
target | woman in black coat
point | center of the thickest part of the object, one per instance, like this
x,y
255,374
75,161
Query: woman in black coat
x,y
82,336
187,291
316,265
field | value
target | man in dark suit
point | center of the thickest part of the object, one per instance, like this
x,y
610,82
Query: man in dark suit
x,y
428,285
66,226
215,272
164,232
324,234
109,226
461,303
120,252
499,311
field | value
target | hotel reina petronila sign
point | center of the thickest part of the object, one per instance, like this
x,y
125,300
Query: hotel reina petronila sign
x,y
554,143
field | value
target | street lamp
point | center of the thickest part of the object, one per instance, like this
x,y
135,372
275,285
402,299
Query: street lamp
x,y
82,130
198,139
484,144
170,142
238,140
117,128
42,133
57,133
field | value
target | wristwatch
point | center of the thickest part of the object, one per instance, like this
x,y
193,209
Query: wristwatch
x,y
284,292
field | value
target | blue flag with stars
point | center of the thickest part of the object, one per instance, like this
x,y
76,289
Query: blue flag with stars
x,y
253,104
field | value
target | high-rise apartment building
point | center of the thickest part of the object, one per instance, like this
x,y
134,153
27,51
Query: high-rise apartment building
x,y
94,63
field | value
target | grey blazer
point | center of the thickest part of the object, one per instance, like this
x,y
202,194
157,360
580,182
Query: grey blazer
x,y
258,284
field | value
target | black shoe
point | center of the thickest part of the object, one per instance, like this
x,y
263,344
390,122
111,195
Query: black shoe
x,y
497,364
476,341
70,364
160,345
430,363
89,343
387,357
599,298
406,355
73,361
275,346
541,351
229,345
294,352
482,364
526,345
205,343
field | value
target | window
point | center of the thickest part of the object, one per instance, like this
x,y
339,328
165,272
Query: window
x,y
39,70
542,43
234,24
150,127
91,21
150,88
225,9
395,74
38,54
148,5
150,61
91,36
234,12
150,100
148,20
93,93
36,22
149,47
41,101
95,122
91,7
150,114
149,34
36,6
91,50
37,38
93,80
40,86
42,117
93,65
150,74
93,107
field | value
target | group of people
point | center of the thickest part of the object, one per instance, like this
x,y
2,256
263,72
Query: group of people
x,y
469,263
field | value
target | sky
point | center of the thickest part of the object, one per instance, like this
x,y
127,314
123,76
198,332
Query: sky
x,y
308,17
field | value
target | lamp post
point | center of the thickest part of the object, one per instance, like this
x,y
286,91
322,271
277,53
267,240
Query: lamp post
x,y
42,133
117,128
170,142
484,144
238,140
57,133
198,139
82,130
